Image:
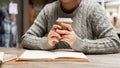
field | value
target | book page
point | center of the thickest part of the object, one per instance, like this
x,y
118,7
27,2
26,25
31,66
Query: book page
x,y
36,54
1,56
77,55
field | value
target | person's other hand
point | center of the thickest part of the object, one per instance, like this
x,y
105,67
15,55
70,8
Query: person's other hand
x,y
68,35
53,36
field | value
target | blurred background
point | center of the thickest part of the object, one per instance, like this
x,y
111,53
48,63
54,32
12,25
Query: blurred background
x,y
16,16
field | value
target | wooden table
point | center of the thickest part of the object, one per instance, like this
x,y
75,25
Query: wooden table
x,y
96,61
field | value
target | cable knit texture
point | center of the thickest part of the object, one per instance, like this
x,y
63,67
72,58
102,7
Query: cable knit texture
x,y
95,33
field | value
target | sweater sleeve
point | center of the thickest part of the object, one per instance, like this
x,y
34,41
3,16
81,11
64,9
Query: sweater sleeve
x,y
106,40
35,37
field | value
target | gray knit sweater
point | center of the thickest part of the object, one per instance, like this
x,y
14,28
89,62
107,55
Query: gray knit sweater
x,y
95,33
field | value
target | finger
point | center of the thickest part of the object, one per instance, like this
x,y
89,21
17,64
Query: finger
x,y
64,39
65,36
54,27
68,26
53,41
54,34
63,32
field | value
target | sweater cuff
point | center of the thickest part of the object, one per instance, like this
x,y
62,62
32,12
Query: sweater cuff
x,y
78,45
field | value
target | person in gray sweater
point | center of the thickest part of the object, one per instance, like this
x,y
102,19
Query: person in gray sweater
x,y
90,32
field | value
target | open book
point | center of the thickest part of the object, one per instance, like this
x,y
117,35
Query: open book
x,y
6,57
52,55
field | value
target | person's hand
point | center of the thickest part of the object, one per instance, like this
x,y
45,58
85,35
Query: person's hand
x,y
68,35
53,36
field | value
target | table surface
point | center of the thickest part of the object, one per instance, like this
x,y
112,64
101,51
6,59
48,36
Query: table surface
x,y
95,61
